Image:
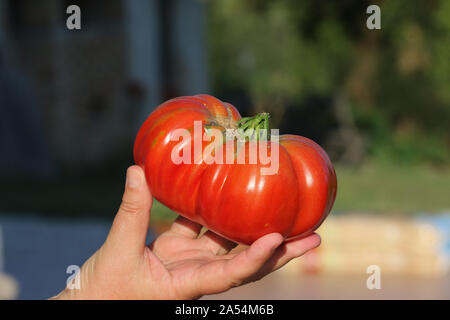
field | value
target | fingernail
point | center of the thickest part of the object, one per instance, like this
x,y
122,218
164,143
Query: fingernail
x,y
133,180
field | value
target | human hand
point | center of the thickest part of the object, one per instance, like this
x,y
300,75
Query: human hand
x,y
180,263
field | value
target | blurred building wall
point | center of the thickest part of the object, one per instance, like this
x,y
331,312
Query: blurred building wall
x,y
186,53
143,21
23,146
95,86
2,23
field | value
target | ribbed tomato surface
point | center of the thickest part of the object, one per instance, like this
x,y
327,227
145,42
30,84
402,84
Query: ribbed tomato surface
x,y
234,200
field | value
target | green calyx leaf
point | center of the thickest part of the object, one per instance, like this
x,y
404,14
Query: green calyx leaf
x,y
255,128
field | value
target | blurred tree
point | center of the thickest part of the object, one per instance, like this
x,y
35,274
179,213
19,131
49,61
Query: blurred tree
x,y
320,72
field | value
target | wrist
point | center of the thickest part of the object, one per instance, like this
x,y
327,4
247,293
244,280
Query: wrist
x,y
67,294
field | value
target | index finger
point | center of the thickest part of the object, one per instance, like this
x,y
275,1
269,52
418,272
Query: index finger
x,y
186,227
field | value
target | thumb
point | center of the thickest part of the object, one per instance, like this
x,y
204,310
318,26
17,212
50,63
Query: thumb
x,y
130,227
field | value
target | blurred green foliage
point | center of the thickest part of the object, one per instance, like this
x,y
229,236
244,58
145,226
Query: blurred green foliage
x,y
304,55
383,187
396,80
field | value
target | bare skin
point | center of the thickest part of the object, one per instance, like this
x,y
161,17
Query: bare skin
x,y
181,263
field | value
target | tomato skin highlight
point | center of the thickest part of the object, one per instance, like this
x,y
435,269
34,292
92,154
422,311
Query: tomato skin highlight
x,y
235,200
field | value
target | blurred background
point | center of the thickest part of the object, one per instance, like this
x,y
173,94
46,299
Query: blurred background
x,y
378,101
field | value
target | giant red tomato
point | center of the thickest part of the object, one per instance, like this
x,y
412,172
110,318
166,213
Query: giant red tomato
x,y
235,200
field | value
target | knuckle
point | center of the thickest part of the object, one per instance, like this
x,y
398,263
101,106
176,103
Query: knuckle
x,y
129,207
235,283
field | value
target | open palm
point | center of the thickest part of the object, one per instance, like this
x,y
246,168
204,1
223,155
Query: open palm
x,y
206,260
181,263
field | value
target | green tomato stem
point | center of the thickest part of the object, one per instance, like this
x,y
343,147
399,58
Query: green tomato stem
x,y
251,126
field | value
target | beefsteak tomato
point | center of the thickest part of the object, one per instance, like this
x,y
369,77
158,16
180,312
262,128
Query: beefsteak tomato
x,y
234,200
